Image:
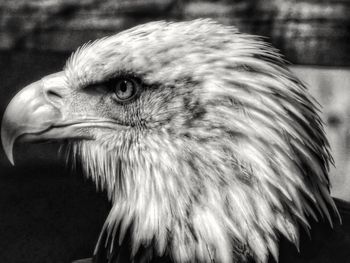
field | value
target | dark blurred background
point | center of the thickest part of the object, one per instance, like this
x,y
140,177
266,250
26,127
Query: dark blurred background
x,y
51,214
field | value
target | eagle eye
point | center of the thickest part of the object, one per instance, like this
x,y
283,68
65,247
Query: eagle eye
x,y
125,89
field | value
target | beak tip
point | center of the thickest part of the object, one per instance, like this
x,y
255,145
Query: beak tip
x,y
7,144
10,157
9,154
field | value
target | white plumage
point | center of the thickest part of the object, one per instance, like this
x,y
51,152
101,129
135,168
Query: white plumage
x,y
221,153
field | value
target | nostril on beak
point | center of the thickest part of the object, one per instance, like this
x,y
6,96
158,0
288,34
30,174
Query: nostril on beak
x,y
53,97
54,94
54,88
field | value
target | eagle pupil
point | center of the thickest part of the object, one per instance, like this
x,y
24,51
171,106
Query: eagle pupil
x,y
123,86
125,89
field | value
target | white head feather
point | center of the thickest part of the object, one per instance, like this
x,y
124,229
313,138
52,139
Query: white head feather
x,y
228,151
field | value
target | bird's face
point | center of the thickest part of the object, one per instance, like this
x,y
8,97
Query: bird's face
x,y
203,140
117,92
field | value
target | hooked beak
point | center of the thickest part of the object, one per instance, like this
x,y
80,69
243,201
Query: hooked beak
x,y
35,114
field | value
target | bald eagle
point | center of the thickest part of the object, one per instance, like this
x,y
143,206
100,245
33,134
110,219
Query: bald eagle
x,y
208,147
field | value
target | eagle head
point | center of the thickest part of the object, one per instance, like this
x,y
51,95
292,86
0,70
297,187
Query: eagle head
x,y
208,147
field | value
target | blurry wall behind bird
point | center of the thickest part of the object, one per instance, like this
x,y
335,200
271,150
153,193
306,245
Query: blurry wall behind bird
x,y
37,36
